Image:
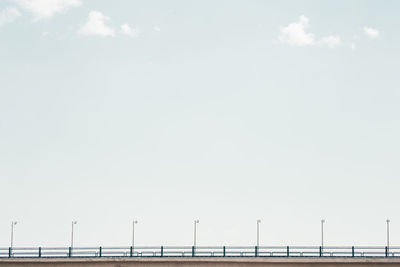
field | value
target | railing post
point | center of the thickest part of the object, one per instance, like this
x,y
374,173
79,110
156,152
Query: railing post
x,y
256,251
162,251
69,252
99,251
352,251
9,252
192,251
131,251
40,252
223,251
320,251
386,251
287,251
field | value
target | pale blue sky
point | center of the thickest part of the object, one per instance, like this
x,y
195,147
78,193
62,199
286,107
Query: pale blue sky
x,y
225,111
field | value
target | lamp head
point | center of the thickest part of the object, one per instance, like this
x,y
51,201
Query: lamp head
x,y
196,221
74,222
322,221
135,222
258,221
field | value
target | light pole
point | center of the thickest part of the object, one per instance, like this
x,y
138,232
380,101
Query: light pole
x,y
12,234
258,232
133,233
322,234
387,233
195,232
72,233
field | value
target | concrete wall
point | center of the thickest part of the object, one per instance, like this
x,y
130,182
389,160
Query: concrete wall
x,y
199,262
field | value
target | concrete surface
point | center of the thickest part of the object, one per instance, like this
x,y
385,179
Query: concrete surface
x,y
200,262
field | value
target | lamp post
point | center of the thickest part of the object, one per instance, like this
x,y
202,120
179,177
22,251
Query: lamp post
x,y
195,232
72,233
322,234
133,233
258,232
12,234
387,233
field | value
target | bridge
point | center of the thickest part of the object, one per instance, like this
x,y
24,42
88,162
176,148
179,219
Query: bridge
x,y
200,256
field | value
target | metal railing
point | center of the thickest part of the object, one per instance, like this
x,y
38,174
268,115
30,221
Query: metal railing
x,y
188,251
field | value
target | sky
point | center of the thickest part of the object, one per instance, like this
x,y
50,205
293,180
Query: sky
x,y
225,111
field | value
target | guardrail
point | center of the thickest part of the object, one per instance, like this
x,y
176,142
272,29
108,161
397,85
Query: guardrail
x,y
187,251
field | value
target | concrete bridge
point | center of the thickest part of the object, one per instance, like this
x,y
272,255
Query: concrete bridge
x,y
198,262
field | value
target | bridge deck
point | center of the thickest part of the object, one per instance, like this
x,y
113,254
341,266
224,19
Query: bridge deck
x,y
198,262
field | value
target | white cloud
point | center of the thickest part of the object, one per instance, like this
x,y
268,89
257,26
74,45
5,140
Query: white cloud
x,y
47,8
8,15
330,41
126,29
156,28
96,25
371,32
353,46
295,33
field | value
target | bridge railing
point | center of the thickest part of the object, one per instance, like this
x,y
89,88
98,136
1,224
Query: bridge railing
x,y
200,251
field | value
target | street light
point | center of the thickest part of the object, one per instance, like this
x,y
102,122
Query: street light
x,y
387,233
322,234
12,233
195,232
258,232
72,233
133,232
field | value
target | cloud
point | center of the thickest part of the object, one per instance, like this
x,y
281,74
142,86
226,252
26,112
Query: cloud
x,y
295,33
371,32
47,8
96,25
156,28
330,41
8,15
127,30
